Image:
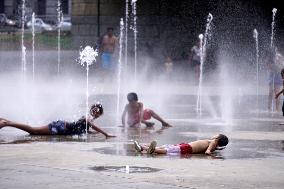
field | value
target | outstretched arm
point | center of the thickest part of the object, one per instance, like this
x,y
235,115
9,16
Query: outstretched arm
x,y
100,131
212,147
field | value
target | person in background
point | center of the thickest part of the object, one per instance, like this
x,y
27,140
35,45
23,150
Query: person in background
x,y
107,50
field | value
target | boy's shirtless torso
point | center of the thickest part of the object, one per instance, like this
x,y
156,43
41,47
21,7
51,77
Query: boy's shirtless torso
x,y
133,110
199,146
108,44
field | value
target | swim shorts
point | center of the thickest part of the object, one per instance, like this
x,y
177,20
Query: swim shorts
x,y
107,61
183,148
57,127
195,63
146,114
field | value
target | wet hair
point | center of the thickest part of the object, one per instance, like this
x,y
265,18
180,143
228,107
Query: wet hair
x,y
131,97
98,107
222,140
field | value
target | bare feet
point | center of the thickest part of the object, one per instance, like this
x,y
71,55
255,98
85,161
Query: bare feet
x,y
152,147
138,147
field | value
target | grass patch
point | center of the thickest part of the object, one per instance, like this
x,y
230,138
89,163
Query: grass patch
x,y
47,40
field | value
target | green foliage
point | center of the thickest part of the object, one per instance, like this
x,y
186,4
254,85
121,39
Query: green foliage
x,y
42,40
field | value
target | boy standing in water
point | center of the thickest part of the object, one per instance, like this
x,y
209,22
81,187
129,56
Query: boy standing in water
x,y
136,114
62,127
208,146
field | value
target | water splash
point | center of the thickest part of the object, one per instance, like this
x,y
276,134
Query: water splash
x,y
203,41
119,69
33,43
227,97
255,36
274,11
87,58
208,28
59,20
127,169
22,39
134,28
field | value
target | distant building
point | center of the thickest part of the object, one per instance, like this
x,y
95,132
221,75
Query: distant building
x,y
46,9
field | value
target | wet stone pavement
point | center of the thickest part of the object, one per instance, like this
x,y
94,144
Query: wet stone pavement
x,y
253,158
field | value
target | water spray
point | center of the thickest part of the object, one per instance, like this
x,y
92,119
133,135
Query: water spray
x,y
33,43
119,68
22,39
274,11
134,28
126,33
87,58
255,36
203,41
59,20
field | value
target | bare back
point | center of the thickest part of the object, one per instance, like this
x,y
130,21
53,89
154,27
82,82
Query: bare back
x,y
134,112
133,108
199,146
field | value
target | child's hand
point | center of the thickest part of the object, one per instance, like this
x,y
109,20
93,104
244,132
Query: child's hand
x,y
208,152
220,148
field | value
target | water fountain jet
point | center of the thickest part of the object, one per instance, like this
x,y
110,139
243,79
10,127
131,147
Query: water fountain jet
x,y
33,44
274,11
87,58
59,20
126,33
203,41
22,39
255,35
134,28
119,69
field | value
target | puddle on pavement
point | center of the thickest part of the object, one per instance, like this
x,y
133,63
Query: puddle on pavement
x,y
240,149
125,169
51,138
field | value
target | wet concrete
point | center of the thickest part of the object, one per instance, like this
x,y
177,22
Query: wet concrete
x,y
255,137
252,159
240,149
125,169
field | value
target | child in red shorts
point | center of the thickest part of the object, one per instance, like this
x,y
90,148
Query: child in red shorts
x,y
136,114
207,146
